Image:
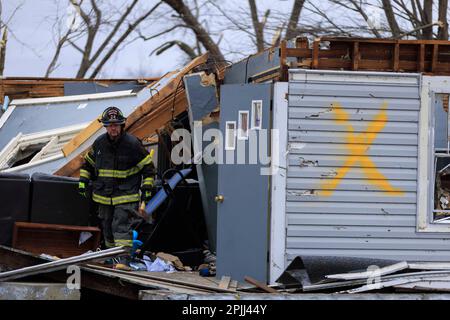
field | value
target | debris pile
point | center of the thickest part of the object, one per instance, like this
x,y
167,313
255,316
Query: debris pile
x,y
385,277
442,194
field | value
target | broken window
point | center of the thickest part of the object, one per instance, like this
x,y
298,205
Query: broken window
x,y
25,155
441,198
35,148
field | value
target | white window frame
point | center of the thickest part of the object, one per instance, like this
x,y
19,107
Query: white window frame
x,y
54,141
253,120
431,86
277,251
227,147
240,133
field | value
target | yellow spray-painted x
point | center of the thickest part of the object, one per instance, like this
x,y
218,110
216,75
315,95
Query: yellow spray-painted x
x,y
357,145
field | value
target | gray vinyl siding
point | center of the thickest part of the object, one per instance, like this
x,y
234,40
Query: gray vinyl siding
x,y
357,218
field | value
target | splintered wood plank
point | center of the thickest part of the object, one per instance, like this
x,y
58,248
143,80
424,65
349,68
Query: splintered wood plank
x,y
233,285
224,282
260,285
81,137
167,278
156,119
173,85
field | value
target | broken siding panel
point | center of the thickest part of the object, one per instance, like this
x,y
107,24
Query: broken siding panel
x,y
352,169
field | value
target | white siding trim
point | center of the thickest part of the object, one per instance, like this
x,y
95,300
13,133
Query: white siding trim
x,y
6,115
74,98
430,87
278,200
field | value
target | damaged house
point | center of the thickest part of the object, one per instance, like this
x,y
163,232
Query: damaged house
x,y
351,138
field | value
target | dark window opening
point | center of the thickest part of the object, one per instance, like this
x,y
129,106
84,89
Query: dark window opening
x,y
24,156
441,194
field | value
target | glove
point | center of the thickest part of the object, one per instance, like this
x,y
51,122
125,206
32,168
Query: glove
x,y
82,189
146,195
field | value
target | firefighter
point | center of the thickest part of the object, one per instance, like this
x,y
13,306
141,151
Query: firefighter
x,y
121,171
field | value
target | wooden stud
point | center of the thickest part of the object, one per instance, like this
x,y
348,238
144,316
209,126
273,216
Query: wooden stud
x,y
396,57
316,47
421,61
356,56
302,42
283,61
434,60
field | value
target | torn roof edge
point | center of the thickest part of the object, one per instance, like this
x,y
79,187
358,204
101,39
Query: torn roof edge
x,y
74,98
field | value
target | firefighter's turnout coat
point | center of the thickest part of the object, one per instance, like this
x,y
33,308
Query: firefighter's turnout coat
x,y
118,169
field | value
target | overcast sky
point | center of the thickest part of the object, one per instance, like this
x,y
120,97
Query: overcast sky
x,y
31,46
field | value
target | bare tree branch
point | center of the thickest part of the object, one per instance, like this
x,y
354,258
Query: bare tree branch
x,y
161,33
200,32
428,18
113,31
182,45
239,26
131,28
420,28
291,31
257,25
322,14
3,50
390,16
73,44
443,28
92,30
52,66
